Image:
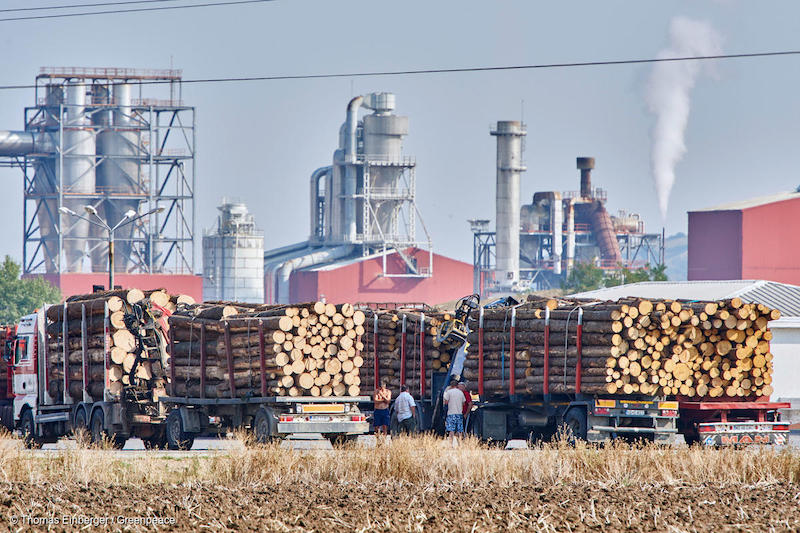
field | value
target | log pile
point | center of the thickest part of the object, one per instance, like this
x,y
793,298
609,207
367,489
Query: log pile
x,y
633,346
390,348
311,349
112,339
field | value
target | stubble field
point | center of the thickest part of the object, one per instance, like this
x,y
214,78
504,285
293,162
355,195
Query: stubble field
x,y
416,484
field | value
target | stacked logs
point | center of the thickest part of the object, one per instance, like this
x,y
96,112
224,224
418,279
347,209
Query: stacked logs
x,y
112,339
390,347
654,348
311,349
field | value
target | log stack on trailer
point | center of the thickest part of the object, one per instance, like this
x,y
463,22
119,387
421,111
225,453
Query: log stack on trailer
x,y
402,344
234,350
101,352
703,349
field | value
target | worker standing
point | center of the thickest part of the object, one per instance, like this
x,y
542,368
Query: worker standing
x,y
462,385
406,409
383,396
454,400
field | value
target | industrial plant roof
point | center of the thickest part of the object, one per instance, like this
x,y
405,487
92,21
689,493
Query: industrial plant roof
x,y
754,202
781,296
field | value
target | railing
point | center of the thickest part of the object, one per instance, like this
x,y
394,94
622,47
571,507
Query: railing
x,y
110,73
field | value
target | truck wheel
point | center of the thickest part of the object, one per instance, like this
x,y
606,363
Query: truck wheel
x,y
80,426
7,417
575,422
264,426
158,441
99,433
28,428
177,438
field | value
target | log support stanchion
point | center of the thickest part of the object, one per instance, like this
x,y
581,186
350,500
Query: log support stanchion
x,y
422,355
480,352
203,360
229,353
262,358
512,385
546,382
403,354
375,383
579,349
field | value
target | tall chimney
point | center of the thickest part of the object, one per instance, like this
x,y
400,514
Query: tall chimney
x,y
509,135
585,165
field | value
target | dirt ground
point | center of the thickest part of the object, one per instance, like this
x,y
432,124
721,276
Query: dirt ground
x,y
398,507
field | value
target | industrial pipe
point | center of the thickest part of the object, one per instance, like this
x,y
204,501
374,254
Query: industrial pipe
x,y
570,234
318,224
585,165
556,229
314,258
350,159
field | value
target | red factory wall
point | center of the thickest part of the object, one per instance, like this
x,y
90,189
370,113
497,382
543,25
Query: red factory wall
x,y
715,245
81,283
771,242
364,282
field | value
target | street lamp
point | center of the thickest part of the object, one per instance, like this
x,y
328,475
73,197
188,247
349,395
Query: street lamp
x,y
127,218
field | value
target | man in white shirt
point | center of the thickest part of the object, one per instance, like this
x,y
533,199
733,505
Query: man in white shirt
x,y
454,401
406,409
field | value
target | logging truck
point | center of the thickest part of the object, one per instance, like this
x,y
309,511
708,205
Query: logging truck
x,y
44,411
65,382
511,409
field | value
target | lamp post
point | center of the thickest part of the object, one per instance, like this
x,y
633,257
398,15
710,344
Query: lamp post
x,y
129,217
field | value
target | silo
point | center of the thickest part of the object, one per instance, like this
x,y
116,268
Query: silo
x,y
78,178
383,148
45,181
233,257
509,135
118,176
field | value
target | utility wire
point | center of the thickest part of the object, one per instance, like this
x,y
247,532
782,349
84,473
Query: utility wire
x,y
448,70
75,6
133,10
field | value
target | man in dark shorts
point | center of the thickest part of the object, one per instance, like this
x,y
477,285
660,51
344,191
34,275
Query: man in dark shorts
x,y
383,396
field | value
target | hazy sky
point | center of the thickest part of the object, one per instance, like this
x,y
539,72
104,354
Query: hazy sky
x,y
260,141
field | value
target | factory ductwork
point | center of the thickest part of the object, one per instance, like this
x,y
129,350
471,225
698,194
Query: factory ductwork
x,y
509,167
585,165
318,201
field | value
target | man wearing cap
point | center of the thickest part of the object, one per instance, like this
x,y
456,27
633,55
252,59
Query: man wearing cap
x,y
462,385
454,402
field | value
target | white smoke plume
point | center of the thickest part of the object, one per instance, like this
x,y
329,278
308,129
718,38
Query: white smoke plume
x,y
668,97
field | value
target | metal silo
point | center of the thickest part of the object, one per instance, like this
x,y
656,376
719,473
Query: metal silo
x,y
77,172
119,180
233,257
509,135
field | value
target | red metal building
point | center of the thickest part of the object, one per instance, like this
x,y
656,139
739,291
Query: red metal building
x,y
81,283
362,280
754,239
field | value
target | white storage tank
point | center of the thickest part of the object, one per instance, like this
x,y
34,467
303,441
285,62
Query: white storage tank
x,y
233,257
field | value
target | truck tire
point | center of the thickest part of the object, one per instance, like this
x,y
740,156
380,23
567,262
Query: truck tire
x,y
80,426
264,427
27,426
7,417
576,424
177,438
157,441
99,433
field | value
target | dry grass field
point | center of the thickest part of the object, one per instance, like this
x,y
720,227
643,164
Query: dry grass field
x,y
414,484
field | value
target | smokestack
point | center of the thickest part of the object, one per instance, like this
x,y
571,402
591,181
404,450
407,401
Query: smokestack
x,y
585,165
509,167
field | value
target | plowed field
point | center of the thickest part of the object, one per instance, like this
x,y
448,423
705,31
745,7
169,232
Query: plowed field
x,y
394,506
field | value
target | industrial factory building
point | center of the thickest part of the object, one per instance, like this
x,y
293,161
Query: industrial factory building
x,y
363,243
754,239
536,245
95,148
233,257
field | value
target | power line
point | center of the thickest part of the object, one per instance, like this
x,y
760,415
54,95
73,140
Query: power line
x,y
133,10
75,6
451,70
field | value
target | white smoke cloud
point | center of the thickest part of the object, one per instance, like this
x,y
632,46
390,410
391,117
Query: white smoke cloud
x,y
668,97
